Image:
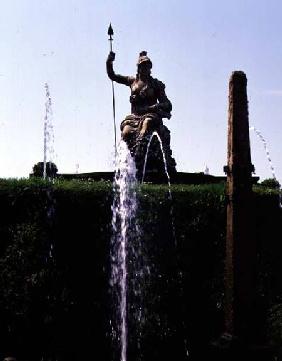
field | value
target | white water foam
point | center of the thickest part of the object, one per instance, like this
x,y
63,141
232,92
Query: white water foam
x,y
124,210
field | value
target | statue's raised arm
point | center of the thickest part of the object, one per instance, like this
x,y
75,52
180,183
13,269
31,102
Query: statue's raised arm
x,y
126,80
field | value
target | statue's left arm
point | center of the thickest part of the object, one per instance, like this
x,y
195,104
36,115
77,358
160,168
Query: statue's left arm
x,y
163,106
164,102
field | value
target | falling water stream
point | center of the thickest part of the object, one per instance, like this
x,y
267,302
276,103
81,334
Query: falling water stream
x,y
260,136
156,134
48,132
124,226
129,266
180,275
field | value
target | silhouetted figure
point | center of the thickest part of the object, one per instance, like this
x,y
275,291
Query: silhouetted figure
x,y
149,105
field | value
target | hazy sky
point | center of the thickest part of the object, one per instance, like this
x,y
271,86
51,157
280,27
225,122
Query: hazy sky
x,y
194,46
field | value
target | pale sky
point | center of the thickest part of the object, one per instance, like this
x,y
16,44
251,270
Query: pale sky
x,y
194,47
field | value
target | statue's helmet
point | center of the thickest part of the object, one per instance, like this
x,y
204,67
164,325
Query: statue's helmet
x,y
143,58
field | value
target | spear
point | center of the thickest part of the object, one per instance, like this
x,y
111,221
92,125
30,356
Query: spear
x,y
111,33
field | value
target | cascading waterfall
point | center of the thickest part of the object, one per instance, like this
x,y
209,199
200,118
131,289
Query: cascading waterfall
x,y
124,226
48,132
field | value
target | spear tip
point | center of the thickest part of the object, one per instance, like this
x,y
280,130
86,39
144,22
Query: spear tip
x,y
110,30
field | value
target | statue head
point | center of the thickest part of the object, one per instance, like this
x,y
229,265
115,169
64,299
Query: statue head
x,y
144,64
143,58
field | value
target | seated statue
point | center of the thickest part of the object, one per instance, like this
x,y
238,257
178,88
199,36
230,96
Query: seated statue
x,y
149,105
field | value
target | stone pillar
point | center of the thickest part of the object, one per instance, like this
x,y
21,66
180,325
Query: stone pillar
x,y
240,244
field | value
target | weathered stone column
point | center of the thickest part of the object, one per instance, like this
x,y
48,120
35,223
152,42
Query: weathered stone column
x,y
240,244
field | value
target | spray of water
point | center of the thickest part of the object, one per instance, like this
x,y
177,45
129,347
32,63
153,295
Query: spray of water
x,y
124,210
155,134
48,158
260,136
48,132
180,275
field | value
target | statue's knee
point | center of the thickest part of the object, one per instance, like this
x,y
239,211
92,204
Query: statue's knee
x,y
147,122
146,125
126,132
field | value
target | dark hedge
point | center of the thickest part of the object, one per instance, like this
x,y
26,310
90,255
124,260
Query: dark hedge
x,y
55,300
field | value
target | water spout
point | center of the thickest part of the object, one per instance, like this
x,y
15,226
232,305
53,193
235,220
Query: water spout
x,y
156,134
260,136
48,132
179,273
124,226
